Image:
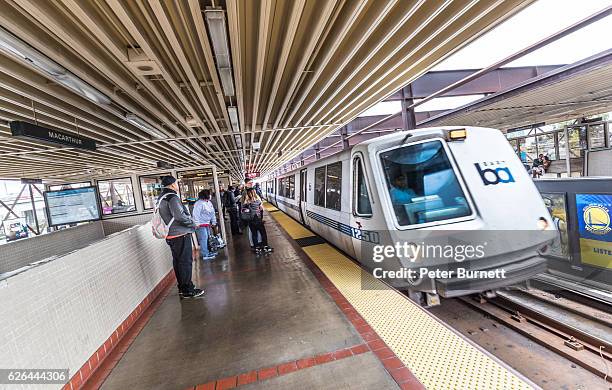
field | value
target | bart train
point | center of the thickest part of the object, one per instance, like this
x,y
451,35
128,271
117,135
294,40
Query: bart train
x,y
443,180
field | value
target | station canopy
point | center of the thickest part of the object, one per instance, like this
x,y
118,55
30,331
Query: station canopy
x,y
568,92
241,84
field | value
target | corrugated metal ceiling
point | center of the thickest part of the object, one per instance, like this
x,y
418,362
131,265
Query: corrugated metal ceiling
x,y
301,68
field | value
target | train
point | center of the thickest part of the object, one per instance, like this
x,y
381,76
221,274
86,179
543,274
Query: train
x,y
434,185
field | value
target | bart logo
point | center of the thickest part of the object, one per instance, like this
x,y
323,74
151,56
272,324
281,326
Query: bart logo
x,y
493,176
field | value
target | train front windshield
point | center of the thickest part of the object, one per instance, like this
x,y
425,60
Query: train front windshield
x,y
422,184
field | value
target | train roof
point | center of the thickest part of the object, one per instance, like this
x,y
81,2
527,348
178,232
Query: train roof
x,y
424,132
389,138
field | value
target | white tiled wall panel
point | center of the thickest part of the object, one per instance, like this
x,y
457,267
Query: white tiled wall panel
x,y
16,254
114,225
58,314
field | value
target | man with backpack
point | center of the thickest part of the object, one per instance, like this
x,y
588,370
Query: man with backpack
x,y
180,227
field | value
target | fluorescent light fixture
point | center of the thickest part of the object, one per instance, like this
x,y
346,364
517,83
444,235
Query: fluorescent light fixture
x,y
181,147
215,20
227,81
145,126
186,149
233,116
12,45
125,155
256,145
238,140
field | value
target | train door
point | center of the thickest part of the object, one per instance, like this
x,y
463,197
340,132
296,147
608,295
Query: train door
x,y
302,195
361,206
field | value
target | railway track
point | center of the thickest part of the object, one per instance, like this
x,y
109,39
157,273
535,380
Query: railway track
x,y
573,330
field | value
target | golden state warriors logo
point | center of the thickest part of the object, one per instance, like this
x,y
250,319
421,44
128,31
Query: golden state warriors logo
x,y
597,219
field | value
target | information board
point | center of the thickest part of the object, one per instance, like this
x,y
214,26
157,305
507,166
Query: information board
x,y
72,206
594,228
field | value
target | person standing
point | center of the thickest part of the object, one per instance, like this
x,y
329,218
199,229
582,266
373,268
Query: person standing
x,y
179,236
222,193
248,184
204,216
230,205
256,225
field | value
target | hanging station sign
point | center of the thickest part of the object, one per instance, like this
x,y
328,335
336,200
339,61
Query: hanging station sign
x,y
252,175
30,131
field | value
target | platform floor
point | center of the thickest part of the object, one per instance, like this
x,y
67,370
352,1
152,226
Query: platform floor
x,y
266,319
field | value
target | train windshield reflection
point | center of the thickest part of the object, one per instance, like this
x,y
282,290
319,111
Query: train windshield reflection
x,y
422,184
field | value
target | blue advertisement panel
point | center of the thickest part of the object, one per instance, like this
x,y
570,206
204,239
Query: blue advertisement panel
x,y
594,228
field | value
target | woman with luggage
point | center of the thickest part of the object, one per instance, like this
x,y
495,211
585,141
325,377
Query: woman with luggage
x,y
251,209
204,216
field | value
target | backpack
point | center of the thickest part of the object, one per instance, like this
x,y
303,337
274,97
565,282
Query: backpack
x,y
159,227
246,214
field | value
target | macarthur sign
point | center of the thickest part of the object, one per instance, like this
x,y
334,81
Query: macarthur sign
x,y
30,131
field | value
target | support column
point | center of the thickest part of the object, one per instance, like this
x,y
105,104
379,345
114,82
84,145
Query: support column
x,y
317,148
567,153
34,209
408,117
343,135
219,205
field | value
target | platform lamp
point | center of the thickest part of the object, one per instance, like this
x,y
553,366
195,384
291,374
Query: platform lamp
x,y
215,20
144,126
13,45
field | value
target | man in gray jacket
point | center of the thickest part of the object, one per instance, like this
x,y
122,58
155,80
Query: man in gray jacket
x,y
179,236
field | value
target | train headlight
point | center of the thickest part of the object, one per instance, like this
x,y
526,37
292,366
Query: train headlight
x,y
542,223
457,135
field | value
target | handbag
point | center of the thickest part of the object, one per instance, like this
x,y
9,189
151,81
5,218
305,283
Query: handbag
x,y
213,242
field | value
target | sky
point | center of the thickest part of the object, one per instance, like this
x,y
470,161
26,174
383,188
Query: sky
x,y
539,20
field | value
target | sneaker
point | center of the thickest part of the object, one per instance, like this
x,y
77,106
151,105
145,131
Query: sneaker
x,y
267,249
209,257
258,251
196,293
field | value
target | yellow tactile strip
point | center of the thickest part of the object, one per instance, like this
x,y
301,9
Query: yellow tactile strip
x,y
294,229
439,358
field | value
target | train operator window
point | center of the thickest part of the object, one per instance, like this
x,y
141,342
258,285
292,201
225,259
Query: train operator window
x,y
333,186
361,197
319,196
422,184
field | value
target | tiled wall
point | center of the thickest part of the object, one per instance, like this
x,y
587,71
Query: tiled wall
x,y
114,225
58,314
16,254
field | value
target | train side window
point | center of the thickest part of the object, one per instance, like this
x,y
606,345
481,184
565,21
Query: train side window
x,y
361,197
291,187
319,195
281,186
333,186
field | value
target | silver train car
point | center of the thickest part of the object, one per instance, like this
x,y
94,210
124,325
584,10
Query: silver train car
x,y
444,181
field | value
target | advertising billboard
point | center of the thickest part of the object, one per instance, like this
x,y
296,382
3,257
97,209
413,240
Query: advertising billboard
x,y
72,206
594,228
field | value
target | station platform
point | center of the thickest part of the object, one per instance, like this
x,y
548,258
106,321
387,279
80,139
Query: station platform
x,y
304,317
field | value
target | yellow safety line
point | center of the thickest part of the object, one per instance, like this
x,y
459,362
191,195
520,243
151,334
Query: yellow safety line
x,y
291,226
269,207
437,356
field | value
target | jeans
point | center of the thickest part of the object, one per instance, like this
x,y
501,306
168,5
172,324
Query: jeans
x,y
203,233
181,249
